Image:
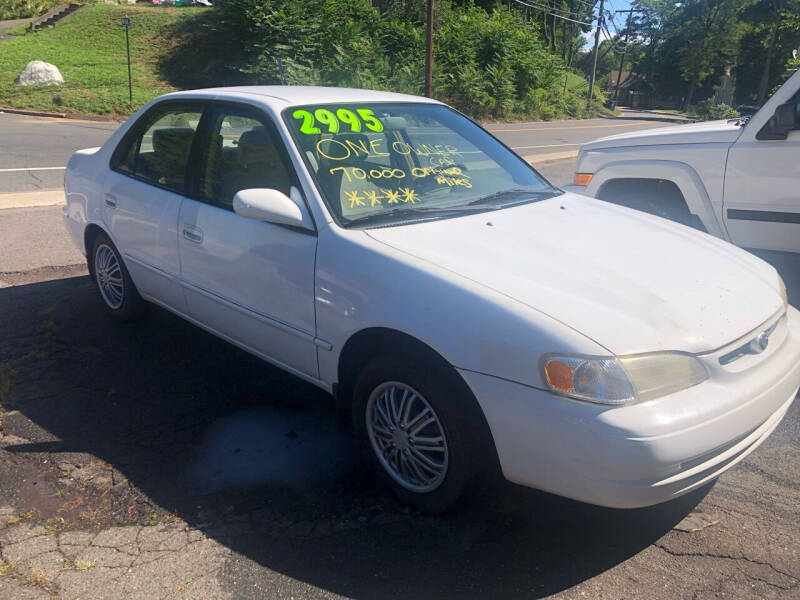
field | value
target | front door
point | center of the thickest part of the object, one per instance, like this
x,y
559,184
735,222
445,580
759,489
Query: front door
x,y
143,194
762,190
249,281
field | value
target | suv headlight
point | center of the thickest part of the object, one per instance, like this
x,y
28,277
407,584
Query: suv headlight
x,y
621,380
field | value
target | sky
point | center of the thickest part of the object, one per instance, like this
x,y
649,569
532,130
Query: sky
x,y
619,20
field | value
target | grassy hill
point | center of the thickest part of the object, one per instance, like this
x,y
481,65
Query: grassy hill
x,y
492,65
89,49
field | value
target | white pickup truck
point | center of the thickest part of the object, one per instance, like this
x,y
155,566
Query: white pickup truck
x,y
738,180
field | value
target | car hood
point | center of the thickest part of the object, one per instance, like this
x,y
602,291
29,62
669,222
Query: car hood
x,y
693,133
629,281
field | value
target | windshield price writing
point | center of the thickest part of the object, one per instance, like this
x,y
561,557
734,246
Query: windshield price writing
x,y
333,122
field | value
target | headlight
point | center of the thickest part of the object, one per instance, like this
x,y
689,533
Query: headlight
x,y
612,380
784,295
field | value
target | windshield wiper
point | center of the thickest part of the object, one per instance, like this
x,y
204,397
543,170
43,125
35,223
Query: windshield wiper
x,y
533,195
425,212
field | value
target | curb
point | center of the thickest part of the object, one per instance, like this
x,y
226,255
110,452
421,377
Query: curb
x,y
32,113
52,197
543,159
65,116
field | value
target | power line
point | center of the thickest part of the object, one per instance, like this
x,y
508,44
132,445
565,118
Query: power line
x,y
558,10
548,11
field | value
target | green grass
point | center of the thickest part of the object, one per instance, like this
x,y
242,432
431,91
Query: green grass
x,y
18,30
89,50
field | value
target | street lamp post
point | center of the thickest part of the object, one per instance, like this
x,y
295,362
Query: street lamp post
x,y
126,23
429,52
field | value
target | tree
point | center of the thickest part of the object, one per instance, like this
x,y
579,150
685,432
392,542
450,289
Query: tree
x,y
709,38
773,33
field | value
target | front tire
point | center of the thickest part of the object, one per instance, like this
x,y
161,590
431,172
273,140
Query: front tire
x,y
113,282
418,431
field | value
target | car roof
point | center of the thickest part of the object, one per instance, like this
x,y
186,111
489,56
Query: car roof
x,y
281,96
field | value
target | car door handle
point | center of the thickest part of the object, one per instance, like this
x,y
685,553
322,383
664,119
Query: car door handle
x,y
110,201
193,234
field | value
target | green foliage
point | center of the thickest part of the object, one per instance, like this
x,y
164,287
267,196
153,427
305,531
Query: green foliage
x,y
495,66
705,37
22,9
714,112
765,53
491,65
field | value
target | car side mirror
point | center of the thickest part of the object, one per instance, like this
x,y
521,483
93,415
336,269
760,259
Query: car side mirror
x,y
780,123
271,206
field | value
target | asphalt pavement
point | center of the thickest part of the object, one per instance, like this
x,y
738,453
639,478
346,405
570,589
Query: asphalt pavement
x,y
154,460
34,152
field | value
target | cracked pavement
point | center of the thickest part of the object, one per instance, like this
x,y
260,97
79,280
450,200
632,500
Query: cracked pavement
x,y
155,461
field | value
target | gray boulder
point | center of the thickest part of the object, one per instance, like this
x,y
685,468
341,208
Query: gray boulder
x,y
38,72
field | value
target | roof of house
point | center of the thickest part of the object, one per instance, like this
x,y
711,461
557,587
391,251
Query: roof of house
x,y
612,79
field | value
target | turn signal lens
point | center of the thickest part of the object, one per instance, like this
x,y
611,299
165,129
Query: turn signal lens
x,y
582,179
599,379
559,375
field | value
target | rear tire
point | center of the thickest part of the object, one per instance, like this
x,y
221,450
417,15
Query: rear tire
x,y
113,282
419,431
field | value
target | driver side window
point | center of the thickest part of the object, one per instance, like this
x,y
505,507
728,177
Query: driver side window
x,y
242,153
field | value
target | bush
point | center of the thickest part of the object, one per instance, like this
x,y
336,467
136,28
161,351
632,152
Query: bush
x,y
22,9
715,112
489,65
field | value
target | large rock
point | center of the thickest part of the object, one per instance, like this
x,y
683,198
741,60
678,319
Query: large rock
x,y
38,72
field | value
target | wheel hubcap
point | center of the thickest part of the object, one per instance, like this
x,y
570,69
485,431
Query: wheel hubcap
x,y
108,273
407,437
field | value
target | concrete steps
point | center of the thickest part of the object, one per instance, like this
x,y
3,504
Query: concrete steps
x,y
51,18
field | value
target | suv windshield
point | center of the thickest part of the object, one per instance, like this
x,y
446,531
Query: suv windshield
x,y
380,164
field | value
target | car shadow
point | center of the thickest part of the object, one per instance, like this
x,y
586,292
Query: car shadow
x,y
257,459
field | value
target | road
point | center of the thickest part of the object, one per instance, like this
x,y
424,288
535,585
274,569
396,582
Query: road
x,y
36,150
156,461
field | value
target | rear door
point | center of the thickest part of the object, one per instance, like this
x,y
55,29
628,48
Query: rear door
x,y
249,281
143,193
762,190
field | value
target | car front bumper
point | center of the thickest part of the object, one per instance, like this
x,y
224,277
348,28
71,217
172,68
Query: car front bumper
x,y
650,452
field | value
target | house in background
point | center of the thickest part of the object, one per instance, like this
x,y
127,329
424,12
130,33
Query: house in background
x,y
633,91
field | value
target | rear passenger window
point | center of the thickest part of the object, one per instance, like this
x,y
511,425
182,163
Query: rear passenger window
x,y
160,152
242,153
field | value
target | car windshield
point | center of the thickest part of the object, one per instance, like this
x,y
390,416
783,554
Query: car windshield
x,y
380,164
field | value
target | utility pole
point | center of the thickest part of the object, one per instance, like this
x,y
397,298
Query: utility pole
x,y
429,53
624,49
596,46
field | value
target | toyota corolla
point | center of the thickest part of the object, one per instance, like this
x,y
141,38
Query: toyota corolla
x,y
467,313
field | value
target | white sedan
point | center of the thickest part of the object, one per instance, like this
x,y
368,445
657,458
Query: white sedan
x,y
468,314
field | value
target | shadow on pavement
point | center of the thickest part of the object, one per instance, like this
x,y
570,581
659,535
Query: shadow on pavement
x,y
209,433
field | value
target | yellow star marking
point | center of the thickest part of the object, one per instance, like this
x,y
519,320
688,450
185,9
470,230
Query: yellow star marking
x,y
354,198
373,198
409,195
391,197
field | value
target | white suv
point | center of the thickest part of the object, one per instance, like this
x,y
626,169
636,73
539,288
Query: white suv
x,y
738,180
